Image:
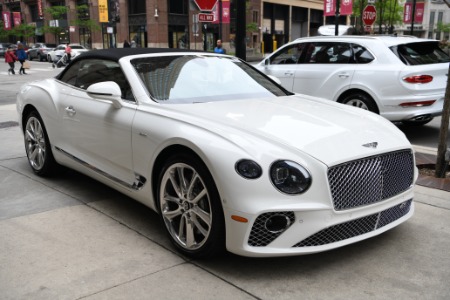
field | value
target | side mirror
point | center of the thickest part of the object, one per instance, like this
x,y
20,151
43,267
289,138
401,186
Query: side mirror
x,y
106,90
267,62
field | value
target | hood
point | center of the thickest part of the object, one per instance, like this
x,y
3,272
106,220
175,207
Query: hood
x,y
330,132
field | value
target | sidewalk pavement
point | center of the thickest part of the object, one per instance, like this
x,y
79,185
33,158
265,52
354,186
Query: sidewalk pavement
x,y
72,238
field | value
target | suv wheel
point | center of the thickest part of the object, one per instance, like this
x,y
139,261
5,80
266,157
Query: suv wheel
x,y
361,100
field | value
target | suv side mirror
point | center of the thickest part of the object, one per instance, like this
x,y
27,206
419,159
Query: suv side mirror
x,y
267,62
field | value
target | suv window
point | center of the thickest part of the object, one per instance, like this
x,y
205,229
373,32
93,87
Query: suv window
x,y
326,52
361,54
289,55
421,53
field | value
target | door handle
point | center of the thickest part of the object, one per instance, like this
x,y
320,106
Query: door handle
x,y
343,75
70,110
289,73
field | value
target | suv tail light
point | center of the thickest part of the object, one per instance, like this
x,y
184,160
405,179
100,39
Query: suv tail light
x,y
417,104
418,79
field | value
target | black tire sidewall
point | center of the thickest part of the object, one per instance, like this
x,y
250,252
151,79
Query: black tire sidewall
x,y
371,105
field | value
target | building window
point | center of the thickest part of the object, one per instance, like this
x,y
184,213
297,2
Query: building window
x,y
439,20
255,17
431,24
175,7
136,7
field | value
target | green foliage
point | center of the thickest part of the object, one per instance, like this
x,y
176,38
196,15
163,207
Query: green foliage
x,y
83,20
443,27
3,33
24,30
252,27
56,12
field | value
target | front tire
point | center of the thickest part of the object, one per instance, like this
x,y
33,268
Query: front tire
x,y
360,100
190,207
37,145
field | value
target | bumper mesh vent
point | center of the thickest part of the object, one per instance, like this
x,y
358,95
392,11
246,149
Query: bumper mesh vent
x,y
370,180
356,227
260,236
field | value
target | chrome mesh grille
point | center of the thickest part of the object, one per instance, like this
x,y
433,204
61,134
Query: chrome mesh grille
x,y
260,236
372,179
356,227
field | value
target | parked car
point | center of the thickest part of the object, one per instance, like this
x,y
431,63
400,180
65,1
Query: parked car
x,y
3,47
227,157
40,51
58,52
400,78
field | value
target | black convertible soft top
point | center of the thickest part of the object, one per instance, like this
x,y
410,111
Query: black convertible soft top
x,y
115,54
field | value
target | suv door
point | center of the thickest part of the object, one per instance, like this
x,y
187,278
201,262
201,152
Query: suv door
x,y
283,64
325,70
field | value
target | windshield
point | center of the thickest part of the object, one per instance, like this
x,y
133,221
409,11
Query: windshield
x,y
423,53
198,78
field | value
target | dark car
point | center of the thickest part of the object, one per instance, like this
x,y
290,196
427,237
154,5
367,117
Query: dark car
x,y
3,47
39,51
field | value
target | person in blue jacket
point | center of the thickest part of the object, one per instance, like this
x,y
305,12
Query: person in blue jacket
x,y
219,48
21,56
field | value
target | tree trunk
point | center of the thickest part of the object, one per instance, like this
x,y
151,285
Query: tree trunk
x,y
441,164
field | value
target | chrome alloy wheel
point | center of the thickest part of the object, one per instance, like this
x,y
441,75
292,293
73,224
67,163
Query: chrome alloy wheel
x,y
357,103
186,206
35,143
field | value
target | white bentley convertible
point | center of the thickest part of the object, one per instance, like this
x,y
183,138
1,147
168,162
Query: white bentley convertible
x,y
227,157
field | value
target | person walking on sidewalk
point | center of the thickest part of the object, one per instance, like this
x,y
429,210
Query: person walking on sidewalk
x,y
21,56
68,52
10,58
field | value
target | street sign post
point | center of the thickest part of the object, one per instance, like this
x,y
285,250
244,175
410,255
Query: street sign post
x,y
369,15
205,5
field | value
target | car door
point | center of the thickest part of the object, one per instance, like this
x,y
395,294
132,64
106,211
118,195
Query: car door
x,y
326,69
283,64
96,133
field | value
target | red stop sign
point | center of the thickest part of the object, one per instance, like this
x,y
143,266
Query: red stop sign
x,y
369,15
205,5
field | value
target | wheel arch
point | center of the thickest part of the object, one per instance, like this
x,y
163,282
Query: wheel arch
x,y
162,158
26,111
358,91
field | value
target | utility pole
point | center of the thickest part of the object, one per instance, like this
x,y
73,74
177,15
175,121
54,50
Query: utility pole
x,y
336,18
240,30
412,17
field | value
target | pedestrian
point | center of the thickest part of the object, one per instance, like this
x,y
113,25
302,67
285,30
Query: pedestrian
x,y
68,52
219,48
126,44
21,56
133,44
10,58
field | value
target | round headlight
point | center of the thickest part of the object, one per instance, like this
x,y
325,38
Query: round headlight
x,y
248,169
289,177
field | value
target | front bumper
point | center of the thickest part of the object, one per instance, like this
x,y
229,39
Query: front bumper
x,y
313,231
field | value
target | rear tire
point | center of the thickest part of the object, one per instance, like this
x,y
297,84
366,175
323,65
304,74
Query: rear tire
x,y
37,146
361,100
190,207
